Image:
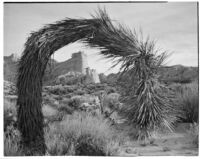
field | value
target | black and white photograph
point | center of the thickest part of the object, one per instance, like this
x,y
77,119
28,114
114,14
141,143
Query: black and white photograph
x,y
91,78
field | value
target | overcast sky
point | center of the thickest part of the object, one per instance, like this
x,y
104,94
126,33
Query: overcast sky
x,y
172,25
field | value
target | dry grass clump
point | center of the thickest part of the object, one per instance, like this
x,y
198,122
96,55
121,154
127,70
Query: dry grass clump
x,y
12,142
82,134
10,113
75,102
188,100
66,109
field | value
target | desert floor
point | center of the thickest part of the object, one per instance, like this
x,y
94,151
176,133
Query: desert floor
x,y
177,143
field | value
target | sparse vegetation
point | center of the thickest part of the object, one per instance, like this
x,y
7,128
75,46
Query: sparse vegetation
x,y
188,101
10,113
12,142
82,134
58,112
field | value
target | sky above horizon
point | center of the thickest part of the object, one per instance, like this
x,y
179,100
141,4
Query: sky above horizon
x,y
172,25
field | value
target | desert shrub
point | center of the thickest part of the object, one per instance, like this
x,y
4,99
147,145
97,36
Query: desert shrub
x,y
110,103
82,134
90,108
59,97
69,89
51,102
70,105
65,108
188,101
57,90
9,113
12,142
91,86
87,147
68,95
111,90
80,92
75,102
112,99
91,99
65,101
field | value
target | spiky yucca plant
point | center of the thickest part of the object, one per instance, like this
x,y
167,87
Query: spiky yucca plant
x,y
115,42
150,104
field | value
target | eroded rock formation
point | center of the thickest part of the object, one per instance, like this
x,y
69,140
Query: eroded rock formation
x,y
77,65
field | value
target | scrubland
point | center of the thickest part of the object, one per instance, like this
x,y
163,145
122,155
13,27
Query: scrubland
x,y
85,120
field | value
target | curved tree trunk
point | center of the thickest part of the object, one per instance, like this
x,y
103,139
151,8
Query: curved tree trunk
x,y
38,49
30,117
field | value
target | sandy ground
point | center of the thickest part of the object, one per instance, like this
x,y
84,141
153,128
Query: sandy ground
x,y
178,143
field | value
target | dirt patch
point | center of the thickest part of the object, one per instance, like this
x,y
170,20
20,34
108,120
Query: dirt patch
x,y
177,143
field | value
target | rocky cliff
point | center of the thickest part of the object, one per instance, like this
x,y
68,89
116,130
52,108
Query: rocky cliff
x,y
77,63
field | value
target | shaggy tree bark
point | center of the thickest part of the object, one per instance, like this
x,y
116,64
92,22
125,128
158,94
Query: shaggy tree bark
x,y
30,117
38,49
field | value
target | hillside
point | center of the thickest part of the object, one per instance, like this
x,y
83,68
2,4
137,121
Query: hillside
x,y
167,74
178,74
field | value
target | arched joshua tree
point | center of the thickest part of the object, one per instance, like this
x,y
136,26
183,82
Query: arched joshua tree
x,y
114,41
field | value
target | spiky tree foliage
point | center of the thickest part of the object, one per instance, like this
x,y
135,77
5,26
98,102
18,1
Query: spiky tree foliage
x,y
115,42
149,102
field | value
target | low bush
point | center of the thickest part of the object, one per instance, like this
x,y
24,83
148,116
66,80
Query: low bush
x,y
81,92
12,142
65,108
111,100
70,89
75,102
188,100
10,113
59,97
65,101
68,95
58,90
82,134
109,104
